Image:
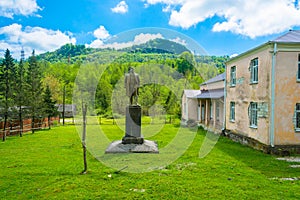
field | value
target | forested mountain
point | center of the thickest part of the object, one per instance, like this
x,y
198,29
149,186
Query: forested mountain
x,y
158,46
74,53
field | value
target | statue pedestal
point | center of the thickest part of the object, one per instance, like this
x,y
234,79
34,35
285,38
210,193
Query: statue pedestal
x,y
133,126
133,142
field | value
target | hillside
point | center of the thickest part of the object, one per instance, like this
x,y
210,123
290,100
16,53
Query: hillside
x,y
158,46
73,53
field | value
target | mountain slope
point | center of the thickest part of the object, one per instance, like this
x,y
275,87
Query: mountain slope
x,y
72,53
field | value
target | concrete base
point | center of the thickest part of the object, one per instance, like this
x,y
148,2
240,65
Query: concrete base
x,y
118,147
282,150
132,140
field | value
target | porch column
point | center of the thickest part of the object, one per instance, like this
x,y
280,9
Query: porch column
x,y
206,112
200,110
214,112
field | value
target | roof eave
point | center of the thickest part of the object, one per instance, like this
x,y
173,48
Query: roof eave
x,y
249,51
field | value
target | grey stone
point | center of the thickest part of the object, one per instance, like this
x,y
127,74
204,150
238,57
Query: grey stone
x,y
132,140
133,121
118,147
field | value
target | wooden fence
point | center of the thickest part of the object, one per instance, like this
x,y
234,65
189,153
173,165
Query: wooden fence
x,y
13,126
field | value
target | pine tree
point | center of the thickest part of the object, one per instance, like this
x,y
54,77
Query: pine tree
x,y
34,89
20,92
49,105
7,77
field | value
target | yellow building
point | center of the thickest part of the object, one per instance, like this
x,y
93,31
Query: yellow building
x,y
262,93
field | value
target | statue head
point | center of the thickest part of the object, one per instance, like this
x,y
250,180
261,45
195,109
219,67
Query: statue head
x,y
131,70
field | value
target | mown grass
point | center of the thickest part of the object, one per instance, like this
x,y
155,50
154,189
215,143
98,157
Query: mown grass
x,y
47,165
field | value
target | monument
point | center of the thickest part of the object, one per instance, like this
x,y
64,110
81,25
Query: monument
x,y
132,142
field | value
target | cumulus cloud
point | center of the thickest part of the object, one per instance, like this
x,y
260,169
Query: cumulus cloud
x,y
179,41
37,38
101,33
249,18
138,39
9,8
121,7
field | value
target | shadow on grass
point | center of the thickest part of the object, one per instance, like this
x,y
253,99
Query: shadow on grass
x,y
257,160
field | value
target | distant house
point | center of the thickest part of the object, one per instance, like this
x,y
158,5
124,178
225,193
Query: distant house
x,y
263,95
190,105
206,105
70,109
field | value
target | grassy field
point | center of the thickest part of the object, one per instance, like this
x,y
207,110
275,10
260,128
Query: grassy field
x,y
47,165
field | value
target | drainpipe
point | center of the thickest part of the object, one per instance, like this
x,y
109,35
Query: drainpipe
x,y
224,107
272,124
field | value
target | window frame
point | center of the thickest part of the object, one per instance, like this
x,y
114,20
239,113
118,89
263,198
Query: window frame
x,y
297,117
232,111
233,76
253,114
254,71
298,72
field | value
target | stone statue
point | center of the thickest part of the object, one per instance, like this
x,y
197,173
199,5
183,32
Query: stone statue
x,y
132,84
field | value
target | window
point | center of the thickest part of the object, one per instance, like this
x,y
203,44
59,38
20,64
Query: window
x,y
232,76
254,71
253,114
298,75
232,111
297,117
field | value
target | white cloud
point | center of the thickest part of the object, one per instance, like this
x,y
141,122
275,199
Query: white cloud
x,y
249,18
9,8
101,33
233,55
179,41
138,39
37,38
96,43
121,7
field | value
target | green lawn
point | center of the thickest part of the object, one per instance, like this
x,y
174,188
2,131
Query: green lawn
x,y
47,165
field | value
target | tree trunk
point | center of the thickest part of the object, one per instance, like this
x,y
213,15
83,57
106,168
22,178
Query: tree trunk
x,y
64,99
21,121
32,124
4,128
49,121
84,108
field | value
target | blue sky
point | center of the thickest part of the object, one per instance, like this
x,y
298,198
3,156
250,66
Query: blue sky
x,y
221,27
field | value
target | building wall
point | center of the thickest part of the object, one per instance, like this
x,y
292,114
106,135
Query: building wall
x,y
189,108
244,92
212,86
193,109
287,94
184,107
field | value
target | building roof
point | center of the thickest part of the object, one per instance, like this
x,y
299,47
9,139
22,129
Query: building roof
x,y
211,94
220,77
68,107
293,36
191,93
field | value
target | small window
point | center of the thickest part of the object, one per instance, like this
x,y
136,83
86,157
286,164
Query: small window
x,y
232,76
253,114
298,75
254,71
297,117
232,111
